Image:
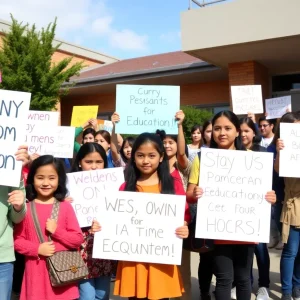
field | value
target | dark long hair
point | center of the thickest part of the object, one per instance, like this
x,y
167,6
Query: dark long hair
x,y
86,149
205,125
133,174
44,160
200,128
235,121
257,137
130,140
88,131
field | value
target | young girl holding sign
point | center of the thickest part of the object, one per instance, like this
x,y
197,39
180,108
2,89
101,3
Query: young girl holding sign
x,y
92,156
46,183
148,172
233,259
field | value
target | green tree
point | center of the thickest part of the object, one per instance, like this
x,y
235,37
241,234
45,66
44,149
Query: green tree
x,y
25,63
193,116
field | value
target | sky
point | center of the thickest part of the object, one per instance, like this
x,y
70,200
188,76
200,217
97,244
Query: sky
x,y
119,28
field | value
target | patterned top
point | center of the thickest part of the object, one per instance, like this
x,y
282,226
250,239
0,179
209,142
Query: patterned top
x,y
97,267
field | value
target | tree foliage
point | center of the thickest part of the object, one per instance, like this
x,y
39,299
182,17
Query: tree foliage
x,y
193,116
26,64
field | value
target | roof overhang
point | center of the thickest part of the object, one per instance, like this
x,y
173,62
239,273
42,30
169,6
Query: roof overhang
x,y
175,75
265,31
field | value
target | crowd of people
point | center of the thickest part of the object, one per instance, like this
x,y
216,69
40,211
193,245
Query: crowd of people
x,y
153,163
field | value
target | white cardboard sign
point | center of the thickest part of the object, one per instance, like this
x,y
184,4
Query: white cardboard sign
x,y
14,108
247,98
277,107
140,227
86,186
289,161
64,146
40,131
233,206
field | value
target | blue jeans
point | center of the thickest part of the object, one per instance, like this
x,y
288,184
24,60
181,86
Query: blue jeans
x,y
95,288
263,264
6,278
290,262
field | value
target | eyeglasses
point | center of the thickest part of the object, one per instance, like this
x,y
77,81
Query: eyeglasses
x,y
264,125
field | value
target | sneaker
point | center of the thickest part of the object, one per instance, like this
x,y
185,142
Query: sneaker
x,y
262,294
233,293
273,242
286,297
296,293
279,245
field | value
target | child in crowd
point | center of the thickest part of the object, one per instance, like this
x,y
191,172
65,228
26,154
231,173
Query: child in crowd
x,y
194,147
103,138
92,156
179,166
148,172
46,183
232,259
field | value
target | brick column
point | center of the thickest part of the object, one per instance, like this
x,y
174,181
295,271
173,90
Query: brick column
x,y
250,73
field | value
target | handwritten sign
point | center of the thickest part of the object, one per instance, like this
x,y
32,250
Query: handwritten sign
x,y
247,98
146,108
277,107
14,108
233,206
140,228
64,145
86,186
105,125
40,136
82,114
289,161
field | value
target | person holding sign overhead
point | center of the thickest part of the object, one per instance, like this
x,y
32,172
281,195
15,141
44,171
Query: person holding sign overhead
x,y
180,166
267,128
148,172
232,259
290,218
88,135
92,156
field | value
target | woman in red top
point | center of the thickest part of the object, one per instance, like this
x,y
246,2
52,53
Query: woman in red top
x,y
233,259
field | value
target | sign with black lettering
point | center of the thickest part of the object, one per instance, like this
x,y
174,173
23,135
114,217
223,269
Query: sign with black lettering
x,y
140,227
14,108
86,186
247,99
277,107
233,205
289,160
146,108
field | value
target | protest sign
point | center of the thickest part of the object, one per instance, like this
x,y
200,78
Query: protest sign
x,y
86,186
233,205
289,160
277,107
247,98
64,142
140,227
82,114
40,133
105,125
146,108
14,108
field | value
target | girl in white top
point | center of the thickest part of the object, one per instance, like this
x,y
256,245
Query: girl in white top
x,y
196,144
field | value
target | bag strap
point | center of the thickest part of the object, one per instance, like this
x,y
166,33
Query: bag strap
x,y
36,222
55,210
54,216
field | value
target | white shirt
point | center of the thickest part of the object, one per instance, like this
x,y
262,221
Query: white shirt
x,y
265,142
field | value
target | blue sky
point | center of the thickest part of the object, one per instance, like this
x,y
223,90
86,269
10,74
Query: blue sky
x,y
120,28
